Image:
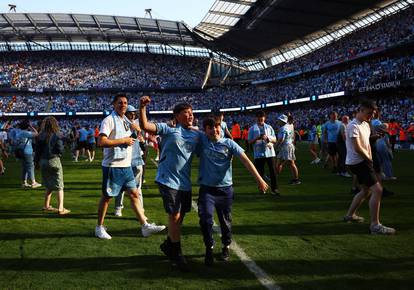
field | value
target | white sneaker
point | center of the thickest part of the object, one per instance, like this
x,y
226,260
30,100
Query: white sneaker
x,y
36,185
25,184
382,230
100,232
149,229
346,174
317,160
118,211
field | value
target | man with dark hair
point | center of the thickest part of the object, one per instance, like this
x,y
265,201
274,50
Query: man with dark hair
x,y
331,131
115,137
359,160
174,172
262,137
216,190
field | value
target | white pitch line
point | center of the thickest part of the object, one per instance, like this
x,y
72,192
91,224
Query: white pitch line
x,y
260,274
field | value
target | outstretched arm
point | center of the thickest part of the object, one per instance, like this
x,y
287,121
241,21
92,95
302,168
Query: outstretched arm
x,y
250,167
143,121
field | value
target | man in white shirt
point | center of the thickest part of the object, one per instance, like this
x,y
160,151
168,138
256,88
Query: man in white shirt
x,y
359,160
115,137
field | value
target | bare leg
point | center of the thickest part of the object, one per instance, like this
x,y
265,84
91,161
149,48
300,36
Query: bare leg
x,y
358,200
60,200
279,165
174,227
312,150
294,169
48,195
375,203
137,206
103,207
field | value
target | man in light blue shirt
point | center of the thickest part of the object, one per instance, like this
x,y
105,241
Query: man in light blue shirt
x,y
216,190
82,144
331,132
174,172
262,137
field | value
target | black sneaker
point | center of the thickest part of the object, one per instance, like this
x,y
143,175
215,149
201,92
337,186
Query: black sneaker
x,y
295,182
225,254
208,258
165,247
181,263
275,192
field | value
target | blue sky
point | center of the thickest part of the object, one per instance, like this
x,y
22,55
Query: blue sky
x,y
191,11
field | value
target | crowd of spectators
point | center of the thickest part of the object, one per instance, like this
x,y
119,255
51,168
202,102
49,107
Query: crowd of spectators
x,y
347,79
383,34
399,108
83,70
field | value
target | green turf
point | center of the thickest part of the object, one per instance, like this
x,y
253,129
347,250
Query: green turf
x,y
298,239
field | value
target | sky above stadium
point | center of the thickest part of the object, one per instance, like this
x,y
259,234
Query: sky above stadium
x,y
190,11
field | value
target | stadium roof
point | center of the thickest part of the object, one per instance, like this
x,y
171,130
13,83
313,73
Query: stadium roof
x,y
92,28
250,29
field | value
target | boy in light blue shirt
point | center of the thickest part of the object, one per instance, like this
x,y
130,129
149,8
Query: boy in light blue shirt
x,y
174,172
215,179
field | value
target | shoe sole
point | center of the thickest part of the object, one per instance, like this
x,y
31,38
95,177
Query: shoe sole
x,y
151,233
102,238
382,234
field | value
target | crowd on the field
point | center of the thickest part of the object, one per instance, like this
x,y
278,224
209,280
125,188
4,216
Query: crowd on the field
x,y
83,70
398,109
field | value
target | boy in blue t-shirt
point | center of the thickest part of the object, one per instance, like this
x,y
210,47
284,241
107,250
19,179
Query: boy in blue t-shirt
x,y
215,179
174,172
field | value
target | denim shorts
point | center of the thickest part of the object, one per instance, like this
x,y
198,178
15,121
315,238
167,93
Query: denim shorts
x,y
117,179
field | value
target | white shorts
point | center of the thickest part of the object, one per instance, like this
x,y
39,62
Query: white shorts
x,y
287,152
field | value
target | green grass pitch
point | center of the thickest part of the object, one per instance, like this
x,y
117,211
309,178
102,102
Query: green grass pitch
x,y
298,239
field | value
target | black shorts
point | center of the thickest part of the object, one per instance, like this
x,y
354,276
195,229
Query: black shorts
x,y
175,201
332,148
365,173
91,146
375,161
81,145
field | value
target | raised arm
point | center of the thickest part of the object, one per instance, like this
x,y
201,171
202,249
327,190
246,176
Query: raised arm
x,y
262,185
143,121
